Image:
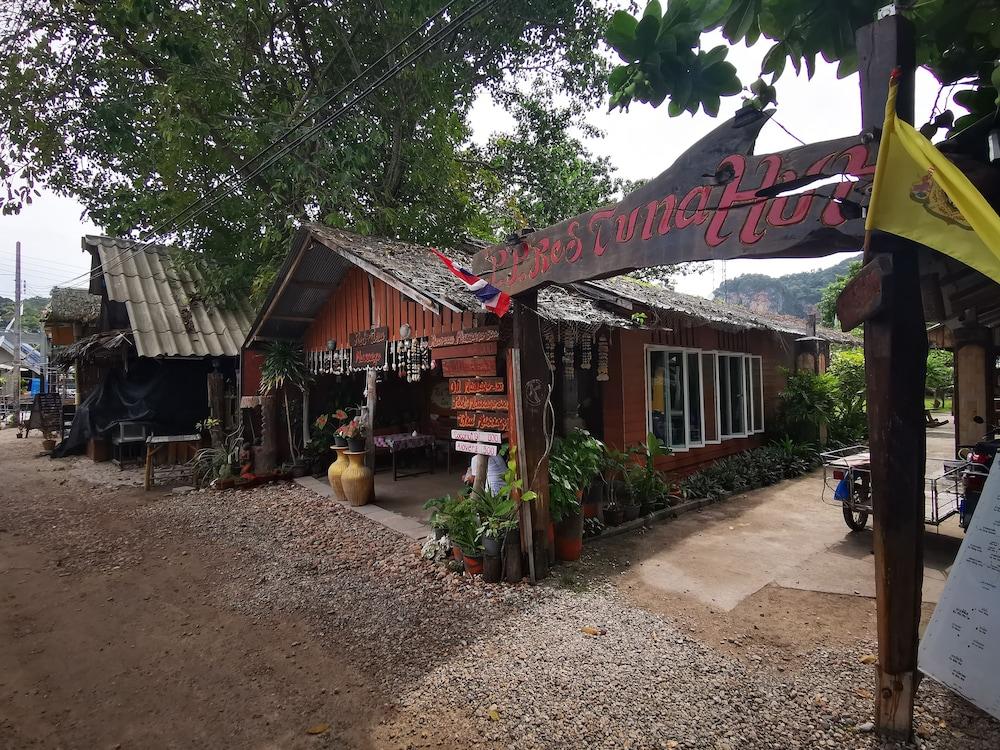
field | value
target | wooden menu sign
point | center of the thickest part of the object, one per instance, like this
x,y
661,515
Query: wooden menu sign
x,y
485,349
479,402
369,337
495,422
483,449
474,436
466,366
476,385
714,202
468,336
370,356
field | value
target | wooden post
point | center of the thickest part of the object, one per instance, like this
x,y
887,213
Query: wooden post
x,y
534,424
217,405
371,394
895,364
266,457
973,387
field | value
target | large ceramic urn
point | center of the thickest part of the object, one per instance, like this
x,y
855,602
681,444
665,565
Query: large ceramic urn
x,y
336,471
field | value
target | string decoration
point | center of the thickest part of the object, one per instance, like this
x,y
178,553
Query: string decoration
x,y
568,332
549,344
602,358
587,349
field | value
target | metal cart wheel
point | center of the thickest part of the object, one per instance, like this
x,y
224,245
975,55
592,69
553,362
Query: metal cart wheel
x,y
856,509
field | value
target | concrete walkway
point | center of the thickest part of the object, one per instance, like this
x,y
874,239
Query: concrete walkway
x,y
396,521
784,535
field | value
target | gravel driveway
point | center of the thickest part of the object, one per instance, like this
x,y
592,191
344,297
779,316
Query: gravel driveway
x,y
432,659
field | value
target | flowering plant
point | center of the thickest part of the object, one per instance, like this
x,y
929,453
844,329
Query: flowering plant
x,y
353,429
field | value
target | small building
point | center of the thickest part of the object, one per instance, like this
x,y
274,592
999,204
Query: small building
x,y
31,365
626,357
155,341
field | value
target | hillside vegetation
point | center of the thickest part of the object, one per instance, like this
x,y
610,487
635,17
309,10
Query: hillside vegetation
x,y
793,294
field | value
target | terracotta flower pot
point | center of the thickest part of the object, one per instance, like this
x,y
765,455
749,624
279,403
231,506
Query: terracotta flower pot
x,y
473,565
456,553
569,538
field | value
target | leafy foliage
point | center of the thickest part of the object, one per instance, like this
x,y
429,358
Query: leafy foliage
x,y
849,424
827,307
31,320
808,401
541,173
940,370
755,468
957,40
575,461
138,108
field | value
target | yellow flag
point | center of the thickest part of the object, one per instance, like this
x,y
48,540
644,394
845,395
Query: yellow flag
x,y
918,194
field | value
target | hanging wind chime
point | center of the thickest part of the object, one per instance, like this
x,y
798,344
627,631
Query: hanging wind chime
x,y
602,358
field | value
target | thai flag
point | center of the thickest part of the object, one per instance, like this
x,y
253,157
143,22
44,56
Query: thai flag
x,y
489,296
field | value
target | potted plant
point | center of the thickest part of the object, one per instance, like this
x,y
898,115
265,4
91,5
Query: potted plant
x,y
464,530
497,512
284,368
614,470
342,417
574,463
648,489
49,441
441,509
354,433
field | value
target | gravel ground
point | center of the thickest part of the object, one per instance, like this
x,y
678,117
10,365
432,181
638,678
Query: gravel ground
x,y
514,664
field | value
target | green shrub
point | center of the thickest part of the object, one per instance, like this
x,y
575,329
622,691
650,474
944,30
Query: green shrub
x,y
755,468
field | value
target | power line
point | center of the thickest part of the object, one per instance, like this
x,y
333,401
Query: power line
x,y
432,41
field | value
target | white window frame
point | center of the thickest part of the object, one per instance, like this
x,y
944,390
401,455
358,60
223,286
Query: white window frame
x,y
684,352
757,367
718,405
742,356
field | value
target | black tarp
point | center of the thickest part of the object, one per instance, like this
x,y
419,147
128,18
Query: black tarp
x,y
169,395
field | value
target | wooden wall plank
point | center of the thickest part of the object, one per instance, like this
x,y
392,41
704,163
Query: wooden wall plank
x,y
484,349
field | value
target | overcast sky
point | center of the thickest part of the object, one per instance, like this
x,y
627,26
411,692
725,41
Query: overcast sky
x,y
641,144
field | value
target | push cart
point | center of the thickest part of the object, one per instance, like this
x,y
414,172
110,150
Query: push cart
x,y
847,483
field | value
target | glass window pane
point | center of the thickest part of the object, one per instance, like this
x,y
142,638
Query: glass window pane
x,y
675,399
724,396
736,391
694,398
758,395
658,394
711,396
749,394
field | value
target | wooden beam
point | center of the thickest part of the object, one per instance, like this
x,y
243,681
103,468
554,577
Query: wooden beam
x,y
866,295
895,364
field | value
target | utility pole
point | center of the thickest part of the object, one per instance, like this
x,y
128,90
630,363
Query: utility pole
x,y
17,338
895,364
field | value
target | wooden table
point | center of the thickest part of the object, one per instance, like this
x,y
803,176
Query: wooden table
x,y
180,449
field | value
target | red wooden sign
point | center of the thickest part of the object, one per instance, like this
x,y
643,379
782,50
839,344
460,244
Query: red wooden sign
x,y
714,202
479,402
469,420
456,368
476,385
468,336
370,356
465,350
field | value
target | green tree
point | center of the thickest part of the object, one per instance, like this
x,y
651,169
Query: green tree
x,y
958,41
940,373
138,108
827,306
541,173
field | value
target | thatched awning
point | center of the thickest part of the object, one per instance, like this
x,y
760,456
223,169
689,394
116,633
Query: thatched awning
x,y
101,347
69,305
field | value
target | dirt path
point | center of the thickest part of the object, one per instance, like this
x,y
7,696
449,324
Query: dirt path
x,y
115,634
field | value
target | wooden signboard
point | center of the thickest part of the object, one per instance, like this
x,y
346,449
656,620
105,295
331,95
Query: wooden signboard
x,y
484,349
466,366
714,202
479,402
468,336
476,385
369,356
369,337
483,449
493,421
474,436
866,294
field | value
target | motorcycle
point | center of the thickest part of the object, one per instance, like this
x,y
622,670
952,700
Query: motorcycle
x,y
979,459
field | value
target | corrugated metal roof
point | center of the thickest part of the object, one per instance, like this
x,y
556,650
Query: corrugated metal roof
x,y
165,310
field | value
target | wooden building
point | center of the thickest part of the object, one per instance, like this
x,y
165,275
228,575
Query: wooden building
x,y
626,357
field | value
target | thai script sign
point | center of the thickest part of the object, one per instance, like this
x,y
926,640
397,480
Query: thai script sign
x,y
716,201
468,336
369,337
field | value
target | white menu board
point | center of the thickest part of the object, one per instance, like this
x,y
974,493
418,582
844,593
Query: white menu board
x,y
961,648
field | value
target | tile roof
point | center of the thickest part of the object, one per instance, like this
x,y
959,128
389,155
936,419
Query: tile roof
x,y
167,315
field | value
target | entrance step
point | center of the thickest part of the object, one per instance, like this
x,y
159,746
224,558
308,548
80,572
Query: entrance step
x,y
395,521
